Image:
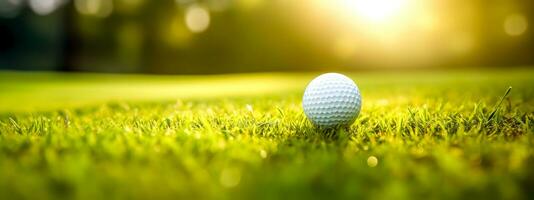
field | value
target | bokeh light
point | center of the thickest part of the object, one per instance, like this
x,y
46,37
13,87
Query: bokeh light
x,y
515,24
98,8
372,161
197,19
44,7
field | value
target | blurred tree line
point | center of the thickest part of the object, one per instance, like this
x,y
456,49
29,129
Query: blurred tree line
x,y
223,36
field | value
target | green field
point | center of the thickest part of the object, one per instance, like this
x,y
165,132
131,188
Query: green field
x,y
434,135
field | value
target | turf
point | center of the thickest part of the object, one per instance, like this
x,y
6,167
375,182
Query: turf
x,y
421,135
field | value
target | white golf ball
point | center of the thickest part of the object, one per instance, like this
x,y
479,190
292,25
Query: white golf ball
x,y
332,99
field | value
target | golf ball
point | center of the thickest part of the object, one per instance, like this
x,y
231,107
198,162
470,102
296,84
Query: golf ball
x,y
332,99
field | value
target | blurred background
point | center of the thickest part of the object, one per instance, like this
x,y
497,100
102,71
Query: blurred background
x,y
228,36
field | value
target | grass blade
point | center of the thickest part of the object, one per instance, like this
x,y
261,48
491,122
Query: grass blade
x,y
496,108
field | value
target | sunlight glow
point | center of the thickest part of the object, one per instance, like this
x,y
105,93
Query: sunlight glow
x,y
398,33
375,11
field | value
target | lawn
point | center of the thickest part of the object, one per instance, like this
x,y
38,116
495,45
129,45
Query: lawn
x,y
420,135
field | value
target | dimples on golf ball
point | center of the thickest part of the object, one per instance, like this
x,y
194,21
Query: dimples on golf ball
x,y
332,99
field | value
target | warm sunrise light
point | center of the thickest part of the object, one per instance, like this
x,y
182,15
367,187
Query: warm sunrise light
x,y
375,11
379,19
374,29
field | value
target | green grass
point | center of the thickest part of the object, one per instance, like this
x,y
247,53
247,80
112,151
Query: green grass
x,y
435,135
